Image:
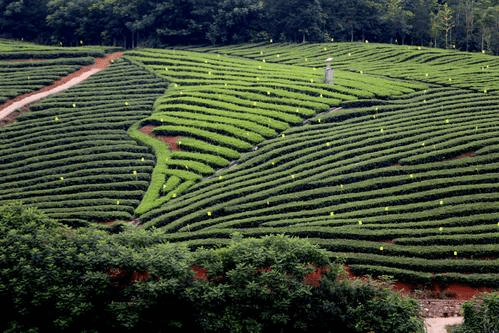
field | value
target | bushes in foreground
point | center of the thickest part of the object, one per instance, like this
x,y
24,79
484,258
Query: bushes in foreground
x,y
59,279
481,314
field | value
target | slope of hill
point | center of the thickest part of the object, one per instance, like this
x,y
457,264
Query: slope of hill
x,y
393,167
403,184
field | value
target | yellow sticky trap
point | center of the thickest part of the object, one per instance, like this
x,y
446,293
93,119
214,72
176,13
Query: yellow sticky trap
x,y
134,172
331,214
360,222
441,229
74,105
455,253
117,202
441,202
61,178
209,213
381,248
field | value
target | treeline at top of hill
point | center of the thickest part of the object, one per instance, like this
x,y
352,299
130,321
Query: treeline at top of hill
x,y
463,24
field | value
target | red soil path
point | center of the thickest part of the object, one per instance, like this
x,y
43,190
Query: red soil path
x,y
171,141
12,108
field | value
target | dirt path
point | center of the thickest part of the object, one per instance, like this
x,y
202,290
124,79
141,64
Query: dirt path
x,y
19,103
437,325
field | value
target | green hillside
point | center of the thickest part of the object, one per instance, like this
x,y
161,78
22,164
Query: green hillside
x,y
25,67
394,167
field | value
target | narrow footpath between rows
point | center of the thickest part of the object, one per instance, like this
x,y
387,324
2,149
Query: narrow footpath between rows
x,y
19,103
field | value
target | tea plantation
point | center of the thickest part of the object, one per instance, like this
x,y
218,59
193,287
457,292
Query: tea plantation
x,y
394,167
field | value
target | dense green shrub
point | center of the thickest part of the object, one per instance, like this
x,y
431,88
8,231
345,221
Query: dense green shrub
x,y
481,314
58,279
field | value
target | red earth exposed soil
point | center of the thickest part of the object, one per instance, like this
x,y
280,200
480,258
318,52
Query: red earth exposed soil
x,y
456,291
171,141
100,64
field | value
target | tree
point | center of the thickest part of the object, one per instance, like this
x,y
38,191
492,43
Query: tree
x,y
295,20
55,278
24,19
237,21
421,21
396,19
488,20
444,21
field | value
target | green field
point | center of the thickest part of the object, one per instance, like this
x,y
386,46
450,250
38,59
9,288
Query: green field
x,y
394,167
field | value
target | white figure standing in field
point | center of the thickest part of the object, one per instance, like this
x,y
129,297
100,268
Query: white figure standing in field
x,y
329,73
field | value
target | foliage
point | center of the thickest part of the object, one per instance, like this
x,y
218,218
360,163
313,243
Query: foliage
x,y
473,26
59,279
481,314
55,278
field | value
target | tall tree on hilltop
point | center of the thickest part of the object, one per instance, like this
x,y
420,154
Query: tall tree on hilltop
x,y
421,21
23,19
444,22
397,19
237,21
488,20
295,20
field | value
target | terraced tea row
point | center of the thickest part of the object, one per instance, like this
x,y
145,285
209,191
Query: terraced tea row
x,y
479,72
26,67
71,155
407,188
218,107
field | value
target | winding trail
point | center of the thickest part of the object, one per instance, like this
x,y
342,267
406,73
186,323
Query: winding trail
x,y
20,102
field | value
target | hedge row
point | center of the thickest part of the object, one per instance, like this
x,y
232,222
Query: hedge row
x,y
234,103
71,154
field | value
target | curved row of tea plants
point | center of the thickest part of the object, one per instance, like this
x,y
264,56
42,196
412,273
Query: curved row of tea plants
x,y
479,72
25,67
71,154
407,187
224,106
